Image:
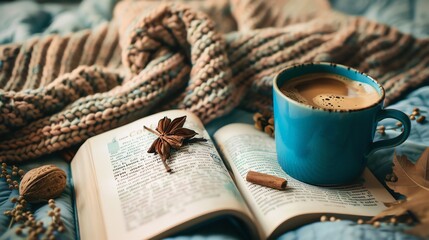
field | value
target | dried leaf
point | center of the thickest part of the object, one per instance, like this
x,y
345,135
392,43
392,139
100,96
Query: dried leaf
x,y
171,135
416,172
164,150
163,124
422,167
418,204
174,141
187,133
396,209
392,204
404,185
152,147
412,181
177,123
415,203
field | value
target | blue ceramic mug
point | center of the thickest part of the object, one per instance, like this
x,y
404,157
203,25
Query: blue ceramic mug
x,y
328,147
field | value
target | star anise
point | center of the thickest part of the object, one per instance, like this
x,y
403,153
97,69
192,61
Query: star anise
x,y
171,135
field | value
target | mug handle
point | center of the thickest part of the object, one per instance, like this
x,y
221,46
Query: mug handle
x,y
400,116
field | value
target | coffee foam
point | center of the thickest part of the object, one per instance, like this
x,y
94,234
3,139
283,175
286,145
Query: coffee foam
x,y
330,91
295,96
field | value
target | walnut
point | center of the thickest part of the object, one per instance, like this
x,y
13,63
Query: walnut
x,y
43,183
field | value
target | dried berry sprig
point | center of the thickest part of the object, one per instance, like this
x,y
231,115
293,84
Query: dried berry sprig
x,y
56,225
171,135
13,176
35,229
406,219
382,129
264,122
415,115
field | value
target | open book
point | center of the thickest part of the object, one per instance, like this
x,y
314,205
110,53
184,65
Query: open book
x,y
123,192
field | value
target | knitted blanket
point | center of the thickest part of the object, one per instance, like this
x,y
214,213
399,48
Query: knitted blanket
x,y
57,91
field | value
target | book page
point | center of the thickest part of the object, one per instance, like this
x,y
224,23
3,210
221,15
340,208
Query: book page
x,y
246,148
86,195
139,199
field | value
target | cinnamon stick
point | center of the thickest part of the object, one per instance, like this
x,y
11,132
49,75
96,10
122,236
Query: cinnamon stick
x,y
266,180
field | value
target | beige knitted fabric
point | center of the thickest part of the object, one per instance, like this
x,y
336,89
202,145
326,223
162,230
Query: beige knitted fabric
x,y
57,91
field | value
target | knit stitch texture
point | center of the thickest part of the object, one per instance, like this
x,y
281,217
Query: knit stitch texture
x,y
57,91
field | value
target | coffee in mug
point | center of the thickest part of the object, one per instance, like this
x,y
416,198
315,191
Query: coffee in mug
x,y
330,91
325,118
